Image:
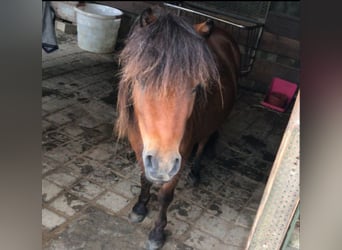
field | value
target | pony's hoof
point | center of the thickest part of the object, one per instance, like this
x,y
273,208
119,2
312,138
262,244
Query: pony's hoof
x,y
154,245
193,179
136,218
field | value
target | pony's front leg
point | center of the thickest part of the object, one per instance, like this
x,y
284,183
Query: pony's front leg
x,y
206,144
157,236
139,210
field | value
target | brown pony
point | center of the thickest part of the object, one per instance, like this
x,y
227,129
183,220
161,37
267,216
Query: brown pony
x,y
177,86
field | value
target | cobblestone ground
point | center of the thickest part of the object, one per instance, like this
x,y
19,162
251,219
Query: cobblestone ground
x,y
90,181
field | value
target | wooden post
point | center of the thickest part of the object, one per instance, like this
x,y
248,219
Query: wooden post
x,y
281,194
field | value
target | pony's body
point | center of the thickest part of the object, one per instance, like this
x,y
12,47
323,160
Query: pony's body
x,y
165,108
207,118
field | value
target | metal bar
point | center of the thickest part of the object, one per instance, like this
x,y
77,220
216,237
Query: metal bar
x,y
205,15
250,48
257,39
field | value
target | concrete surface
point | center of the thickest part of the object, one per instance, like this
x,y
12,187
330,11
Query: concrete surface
x,y
90,181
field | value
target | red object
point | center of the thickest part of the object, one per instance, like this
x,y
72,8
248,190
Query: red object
x,y
280,94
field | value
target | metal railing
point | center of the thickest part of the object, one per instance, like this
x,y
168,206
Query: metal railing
x,y
246,30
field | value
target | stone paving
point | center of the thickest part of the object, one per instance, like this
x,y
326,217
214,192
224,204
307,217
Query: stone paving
x,y
90,180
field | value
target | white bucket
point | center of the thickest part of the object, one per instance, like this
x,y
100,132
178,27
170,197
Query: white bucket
x,y
97,27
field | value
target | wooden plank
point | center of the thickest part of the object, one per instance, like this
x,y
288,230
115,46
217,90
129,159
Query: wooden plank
x,y
281,194
263,71
274,44
280,45
269,42
282,25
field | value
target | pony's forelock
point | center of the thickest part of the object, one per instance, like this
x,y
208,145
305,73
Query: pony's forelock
x,y
162,57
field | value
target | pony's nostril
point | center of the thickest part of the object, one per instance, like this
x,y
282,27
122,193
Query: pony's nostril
x,y
148,161
175,167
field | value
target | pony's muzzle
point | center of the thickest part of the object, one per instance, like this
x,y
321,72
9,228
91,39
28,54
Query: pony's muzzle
x,y
161,169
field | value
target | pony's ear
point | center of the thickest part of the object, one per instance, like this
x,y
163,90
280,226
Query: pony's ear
x,y
205,28
147,17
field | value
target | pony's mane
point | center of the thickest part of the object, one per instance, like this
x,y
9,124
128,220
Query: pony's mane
x,y
161,57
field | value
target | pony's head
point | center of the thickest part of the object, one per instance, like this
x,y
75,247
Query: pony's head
x,y
165,64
